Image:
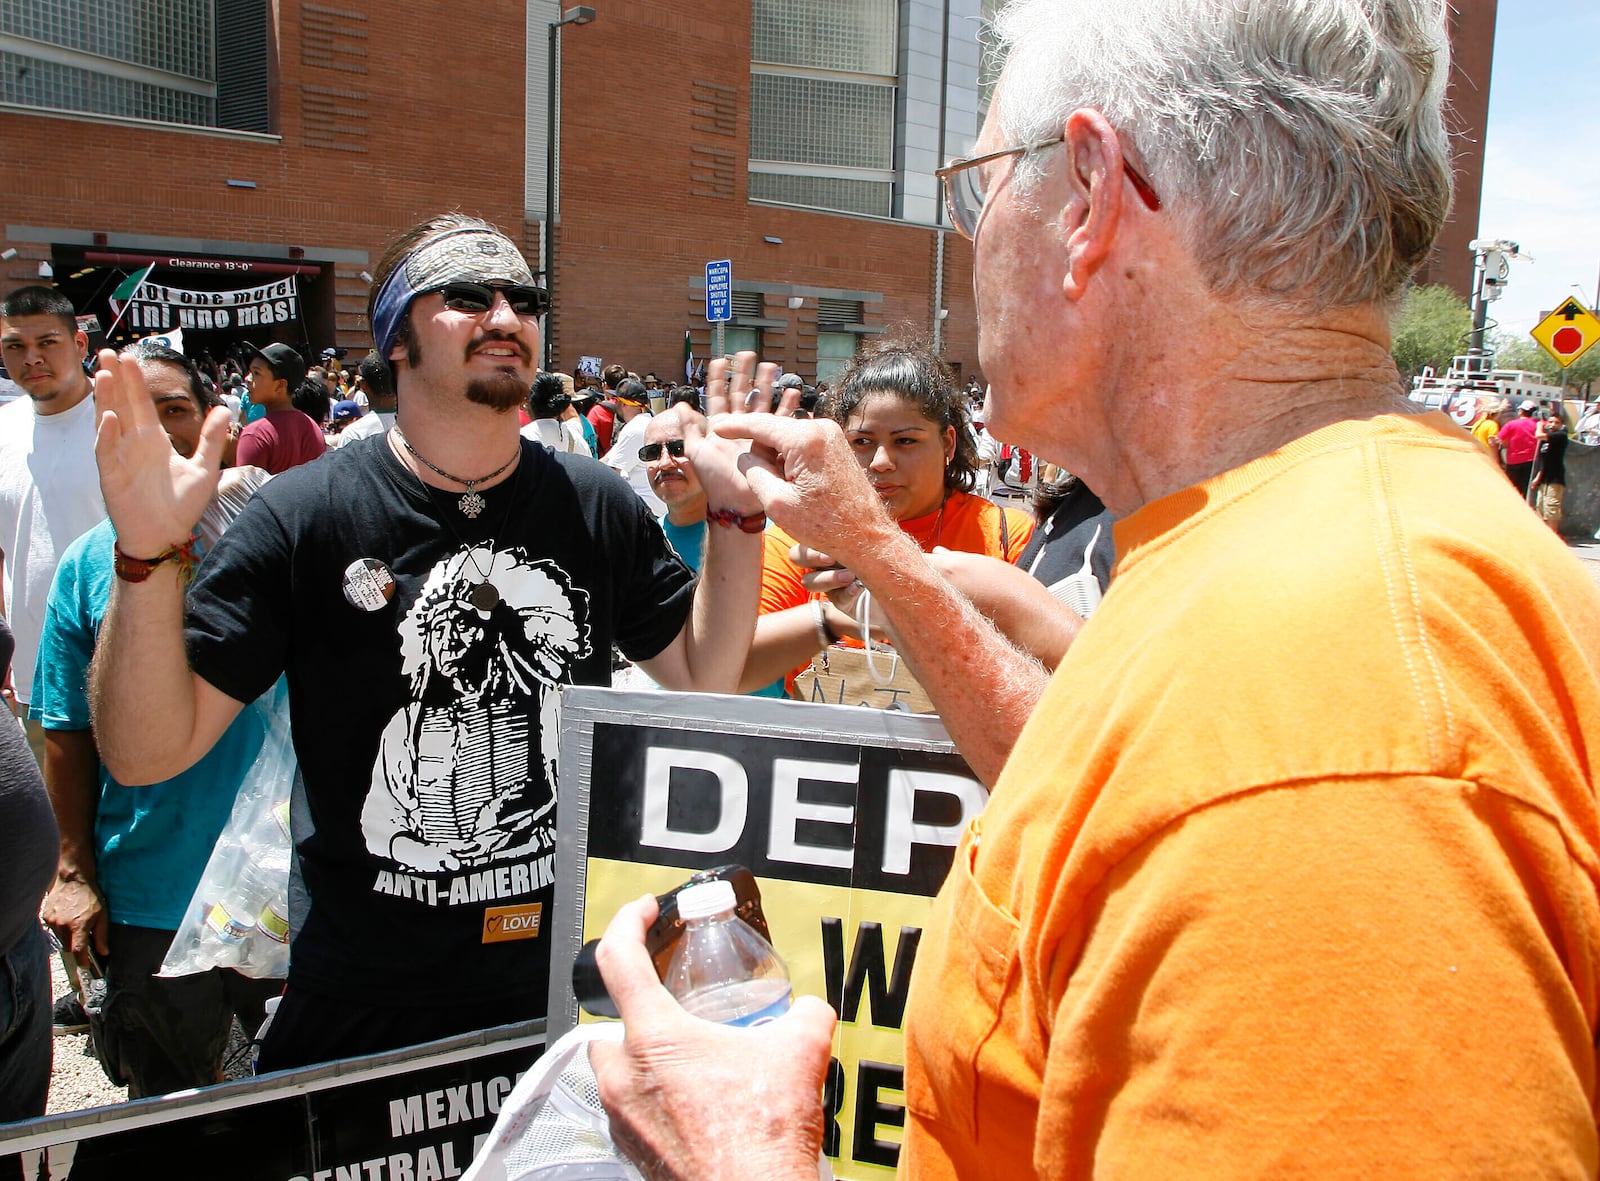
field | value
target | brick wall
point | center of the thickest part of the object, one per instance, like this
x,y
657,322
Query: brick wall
x,y
384,116
655,130
1472,51
388,114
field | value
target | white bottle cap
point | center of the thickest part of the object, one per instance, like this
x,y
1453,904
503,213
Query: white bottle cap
x,y
705,899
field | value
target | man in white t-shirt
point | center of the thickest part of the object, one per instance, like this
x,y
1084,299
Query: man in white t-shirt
x,y
633,410
378,414
49,487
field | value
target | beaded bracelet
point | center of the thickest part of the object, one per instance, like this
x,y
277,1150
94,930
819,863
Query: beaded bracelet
x,y
131,569
753,523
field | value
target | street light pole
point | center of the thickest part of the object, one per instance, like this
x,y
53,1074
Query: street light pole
x,y
580,15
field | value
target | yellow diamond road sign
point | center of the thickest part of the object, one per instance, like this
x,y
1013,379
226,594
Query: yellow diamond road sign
x,y
1568,332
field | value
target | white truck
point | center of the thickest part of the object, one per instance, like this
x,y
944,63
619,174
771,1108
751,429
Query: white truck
x,y
1473,384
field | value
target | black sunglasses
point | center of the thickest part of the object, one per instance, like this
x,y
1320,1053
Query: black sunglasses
x,y
651,452
478,298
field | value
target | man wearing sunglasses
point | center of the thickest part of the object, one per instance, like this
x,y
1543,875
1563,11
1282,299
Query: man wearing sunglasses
x,y
633,411
1292,871
673,481
470,574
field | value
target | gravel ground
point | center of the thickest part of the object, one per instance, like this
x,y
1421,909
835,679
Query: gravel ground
x,y
77,1080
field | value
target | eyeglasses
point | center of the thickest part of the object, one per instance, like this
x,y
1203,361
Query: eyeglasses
x,y
478,298
964,188
651,452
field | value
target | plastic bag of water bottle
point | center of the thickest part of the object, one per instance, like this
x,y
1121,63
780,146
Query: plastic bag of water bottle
x,y
551,1125
239,915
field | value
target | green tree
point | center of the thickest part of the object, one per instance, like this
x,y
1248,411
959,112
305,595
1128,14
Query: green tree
x,y
1523,352
1430,327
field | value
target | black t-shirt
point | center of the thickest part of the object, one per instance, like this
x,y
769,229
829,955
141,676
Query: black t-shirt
x,y
1078,524
1553,454
423,709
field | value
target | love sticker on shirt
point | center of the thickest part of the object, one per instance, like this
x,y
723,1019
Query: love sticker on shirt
x,y
502,924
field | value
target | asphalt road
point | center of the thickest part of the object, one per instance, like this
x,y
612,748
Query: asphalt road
x,y
1588,552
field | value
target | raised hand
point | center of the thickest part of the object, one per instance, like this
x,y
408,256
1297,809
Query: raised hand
x,y
733,387
154,495
810,483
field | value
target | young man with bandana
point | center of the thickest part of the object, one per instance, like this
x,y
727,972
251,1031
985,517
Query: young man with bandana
x,y
473,573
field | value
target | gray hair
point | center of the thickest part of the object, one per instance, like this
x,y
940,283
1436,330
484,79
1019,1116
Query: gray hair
x,y
1300,144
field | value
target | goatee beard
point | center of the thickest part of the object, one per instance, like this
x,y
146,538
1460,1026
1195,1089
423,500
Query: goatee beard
x,y
503,391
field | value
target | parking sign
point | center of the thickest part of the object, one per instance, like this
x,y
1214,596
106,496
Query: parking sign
x,y
719,291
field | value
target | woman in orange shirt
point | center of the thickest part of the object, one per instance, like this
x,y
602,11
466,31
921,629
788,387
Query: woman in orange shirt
x,y
907,424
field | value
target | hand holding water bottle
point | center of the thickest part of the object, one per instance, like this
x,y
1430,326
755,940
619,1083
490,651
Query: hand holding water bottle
x,y
691,1099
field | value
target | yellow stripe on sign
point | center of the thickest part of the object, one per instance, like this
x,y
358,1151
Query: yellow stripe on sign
x,y
853,947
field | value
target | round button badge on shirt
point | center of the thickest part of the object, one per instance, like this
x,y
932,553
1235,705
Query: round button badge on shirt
x,y
368,584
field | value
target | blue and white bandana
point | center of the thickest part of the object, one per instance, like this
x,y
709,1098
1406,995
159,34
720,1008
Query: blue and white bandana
x,y
470,254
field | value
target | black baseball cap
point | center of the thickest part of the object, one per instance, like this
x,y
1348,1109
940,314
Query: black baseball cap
x,y
284,361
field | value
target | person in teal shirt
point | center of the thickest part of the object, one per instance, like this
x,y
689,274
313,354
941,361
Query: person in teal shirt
x,y
131,857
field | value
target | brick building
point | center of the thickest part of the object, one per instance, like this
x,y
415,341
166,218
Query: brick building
x,y
237,144
1472,51
261,155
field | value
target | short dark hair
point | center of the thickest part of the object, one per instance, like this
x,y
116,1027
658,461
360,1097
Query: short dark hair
x,y
149,351
685,395
38,300
312,398
375,374
549,397
908,367
612,376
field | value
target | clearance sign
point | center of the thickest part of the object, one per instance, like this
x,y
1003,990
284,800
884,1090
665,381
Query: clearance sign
x,y
848,818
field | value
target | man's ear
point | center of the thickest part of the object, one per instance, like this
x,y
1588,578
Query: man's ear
x,y
1094,172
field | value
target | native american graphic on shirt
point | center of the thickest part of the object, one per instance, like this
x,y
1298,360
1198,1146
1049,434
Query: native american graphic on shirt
x,y
466,770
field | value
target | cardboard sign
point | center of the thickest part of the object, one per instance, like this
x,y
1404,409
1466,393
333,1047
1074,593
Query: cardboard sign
x,y
848,817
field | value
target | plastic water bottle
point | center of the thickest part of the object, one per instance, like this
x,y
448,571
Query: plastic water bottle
x,y
231,919
722,969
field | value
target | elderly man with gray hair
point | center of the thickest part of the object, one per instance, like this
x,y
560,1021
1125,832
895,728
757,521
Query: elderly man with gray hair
x,y
1292,869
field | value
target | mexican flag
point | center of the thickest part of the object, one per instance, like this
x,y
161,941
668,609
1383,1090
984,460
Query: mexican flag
x,y
129,287
125,293
688,358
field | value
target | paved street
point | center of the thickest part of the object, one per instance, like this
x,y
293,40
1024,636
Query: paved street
x,y
1589,553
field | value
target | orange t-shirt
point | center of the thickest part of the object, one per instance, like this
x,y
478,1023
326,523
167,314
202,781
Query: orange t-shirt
x,y
1294,870
967,524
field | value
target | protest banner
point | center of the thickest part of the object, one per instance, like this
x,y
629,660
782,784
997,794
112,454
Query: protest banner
x,y
417,1114
155,307
848,818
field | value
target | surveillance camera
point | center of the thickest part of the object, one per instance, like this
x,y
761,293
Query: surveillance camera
x,y
8,253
